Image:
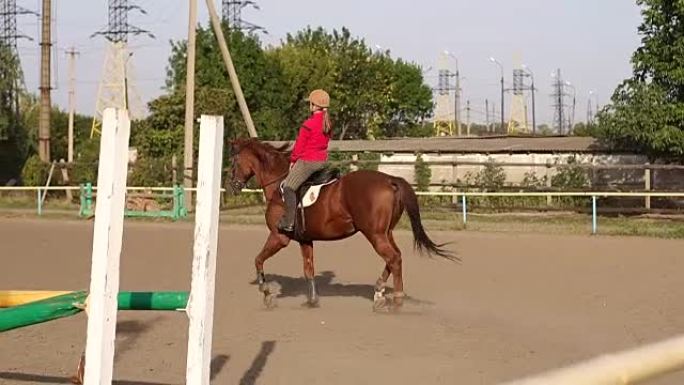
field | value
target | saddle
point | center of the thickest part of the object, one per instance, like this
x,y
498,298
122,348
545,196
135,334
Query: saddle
x,y
308,193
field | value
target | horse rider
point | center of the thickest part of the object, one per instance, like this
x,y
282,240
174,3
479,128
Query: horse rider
x,y
309,154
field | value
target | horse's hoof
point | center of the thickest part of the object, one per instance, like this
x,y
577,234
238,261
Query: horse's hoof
x,y
397,302
271,291
270,301
312,304
379,300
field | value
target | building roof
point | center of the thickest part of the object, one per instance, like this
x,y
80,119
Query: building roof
x,y
487,145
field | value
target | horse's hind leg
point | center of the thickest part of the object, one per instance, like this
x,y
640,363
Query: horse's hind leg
x,y
382,281
274,243
308,259
384,245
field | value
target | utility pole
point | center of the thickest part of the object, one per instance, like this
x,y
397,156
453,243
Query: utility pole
x,y
559,102
533,89
188,153
45,103
498,63
72,101
457,101
487,113
228,61
468,117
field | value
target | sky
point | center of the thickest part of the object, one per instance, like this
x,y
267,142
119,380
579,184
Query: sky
x,y
591,41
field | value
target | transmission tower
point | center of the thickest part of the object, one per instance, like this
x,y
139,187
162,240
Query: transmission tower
x,y
11,75
559,106
116,89
444,114
232,14
518,120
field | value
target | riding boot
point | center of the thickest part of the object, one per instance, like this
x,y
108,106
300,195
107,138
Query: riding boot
x,y
286,223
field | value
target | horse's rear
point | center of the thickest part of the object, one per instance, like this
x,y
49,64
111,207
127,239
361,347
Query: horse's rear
x,y
372,203
365,201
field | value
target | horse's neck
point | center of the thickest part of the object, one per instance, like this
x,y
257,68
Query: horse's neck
x,y
269,179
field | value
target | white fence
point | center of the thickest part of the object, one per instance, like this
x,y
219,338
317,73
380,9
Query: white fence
x,y
463,196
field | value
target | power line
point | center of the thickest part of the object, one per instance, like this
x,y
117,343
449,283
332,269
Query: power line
x,y
231,11
10,64
115,89
118,29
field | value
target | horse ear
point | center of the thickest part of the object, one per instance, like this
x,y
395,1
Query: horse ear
x,y
236,145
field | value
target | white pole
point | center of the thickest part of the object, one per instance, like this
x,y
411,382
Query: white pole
x,y
201,302
628,367
108,231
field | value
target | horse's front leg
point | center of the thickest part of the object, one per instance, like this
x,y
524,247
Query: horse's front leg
x,y
274,243
308,260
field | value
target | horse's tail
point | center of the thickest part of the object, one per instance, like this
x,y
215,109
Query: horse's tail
x,y
421,241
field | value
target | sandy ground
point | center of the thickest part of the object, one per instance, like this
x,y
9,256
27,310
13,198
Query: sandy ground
x,y
518,305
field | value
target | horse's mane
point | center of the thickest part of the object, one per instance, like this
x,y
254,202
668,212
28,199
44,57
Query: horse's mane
x,y
267,153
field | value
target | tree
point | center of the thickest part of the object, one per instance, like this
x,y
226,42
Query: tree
x,y
647,110
13,142
373,94
584,129
261,79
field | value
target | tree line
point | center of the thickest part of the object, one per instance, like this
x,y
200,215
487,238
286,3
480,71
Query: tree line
x,y
374,96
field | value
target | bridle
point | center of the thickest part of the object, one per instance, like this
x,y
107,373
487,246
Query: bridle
x,y
237,185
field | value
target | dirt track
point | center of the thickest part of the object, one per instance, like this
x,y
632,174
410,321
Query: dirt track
x,y
518,305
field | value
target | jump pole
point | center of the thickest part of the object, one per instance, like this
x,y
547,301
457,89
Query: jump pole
x,y
107,239
626,367
201,303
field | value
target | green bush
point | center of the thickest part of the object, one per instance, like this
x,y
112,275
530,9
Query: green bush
x,y
340,157
423,174
492,177
571,177
85,167
151,172
372,158
35,171
532,182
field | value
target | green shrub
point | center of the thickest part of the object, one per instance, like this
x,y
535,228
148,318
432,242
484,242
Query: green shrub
x,y
35,171
423,174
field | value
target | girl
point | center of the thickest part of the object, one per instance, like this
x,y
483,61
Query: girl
x,y
309,154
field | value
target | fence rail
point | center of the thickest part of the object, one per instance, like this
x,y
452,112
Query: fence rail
x,y
462,195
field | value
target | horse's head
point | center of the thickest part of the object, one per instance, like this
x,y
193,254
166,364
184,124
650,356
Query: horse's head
x,y
250,157
242,164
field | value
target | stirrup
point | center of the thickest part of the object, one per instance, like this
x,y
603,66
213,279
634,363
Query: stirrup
x,y
284,227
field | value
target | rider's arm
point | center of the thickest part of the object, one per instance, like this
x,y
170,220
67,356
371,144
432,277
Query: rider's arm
x,y
300,143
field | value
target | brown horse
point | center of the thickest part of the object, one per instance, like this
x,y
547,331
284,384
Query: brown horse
x,y
364,201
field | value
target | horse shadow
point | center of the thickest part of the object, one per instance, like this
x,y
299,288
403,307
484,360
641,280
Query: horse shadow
x,y
296,286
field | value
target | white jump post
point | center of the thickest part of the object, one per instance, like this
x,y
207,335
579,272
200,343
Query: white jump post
x,y
201,302
107,239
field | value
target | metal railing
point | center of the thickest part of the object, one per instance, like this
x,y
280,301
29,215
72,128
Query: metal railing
x,y
463,196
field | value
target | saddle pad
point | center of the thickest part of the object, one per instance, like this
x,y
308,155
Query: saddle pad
x,y
312,194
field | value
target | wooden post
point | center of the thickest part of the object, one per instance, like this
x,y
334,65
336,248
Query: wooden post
x,y
647,186
201,302
107,237
65,178
549,175
188,149
354,166
174,169
228,61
